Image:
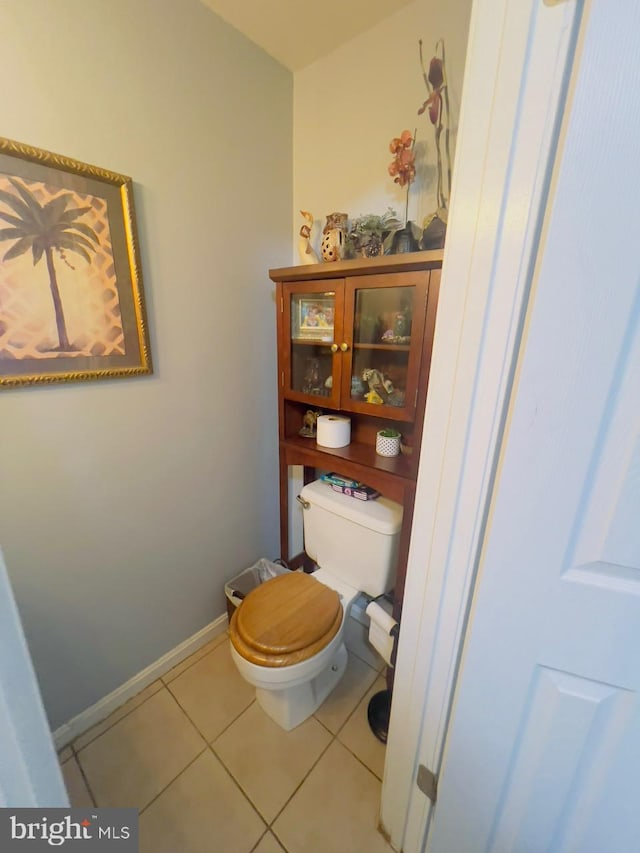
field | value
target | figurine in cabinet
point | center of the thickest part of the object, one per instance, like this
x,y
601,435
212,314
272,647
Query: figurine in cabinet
x,y
381,389
309,424
373,398
312,384
377,383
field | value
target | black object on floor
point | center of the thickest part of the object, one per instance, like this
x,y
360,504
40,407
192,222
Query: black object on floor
x,y
378,714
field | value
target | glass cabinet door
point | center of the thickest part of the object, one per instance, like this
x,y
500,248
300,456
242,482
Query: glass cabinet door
x,y
387,326
313,320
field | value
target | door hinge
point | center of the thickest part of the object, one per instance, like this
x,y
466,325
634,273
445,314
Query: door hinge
x,y
282,378
281,305
427,782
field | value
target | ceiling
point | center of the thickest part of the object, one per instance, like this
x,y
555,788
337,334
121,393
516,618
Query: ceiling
x,y
297,34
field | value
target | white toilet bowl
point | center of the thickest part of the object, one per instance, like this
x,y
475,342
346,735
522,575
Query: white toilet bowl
x,y
290,694
287,636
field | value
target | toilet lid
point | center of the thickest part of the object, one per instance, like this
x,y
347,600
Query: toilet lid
x,y
286,620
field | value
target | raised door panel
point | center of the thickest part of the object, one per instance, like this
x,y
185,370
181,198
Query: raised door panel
x,y
571,730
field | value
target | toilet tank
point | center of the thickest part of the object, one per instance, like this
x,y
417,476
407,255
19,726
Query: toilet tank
x,y
357,541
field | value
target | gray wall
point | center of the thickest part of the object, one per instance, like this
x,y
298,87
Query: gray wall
x,y
126,504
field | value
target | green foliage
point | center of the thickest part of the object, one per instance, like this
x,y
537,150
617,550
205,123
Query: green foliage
x,y
370,230
371,223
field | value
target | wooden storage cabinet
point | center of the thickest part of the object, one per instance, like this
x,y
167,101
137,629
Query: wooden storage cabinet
x,y
346,330
364,325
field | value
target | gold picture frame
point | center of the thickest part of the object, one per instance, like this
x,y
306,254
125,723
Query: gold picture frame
x,y
71,297
315,318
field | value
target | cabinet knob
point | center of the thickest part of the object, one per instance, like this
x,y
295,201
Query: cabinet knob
x,y
344,347
334,347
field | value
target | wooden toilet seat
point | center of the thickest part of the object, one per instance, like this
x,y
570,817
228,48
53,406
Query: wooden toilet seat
x,y
285,621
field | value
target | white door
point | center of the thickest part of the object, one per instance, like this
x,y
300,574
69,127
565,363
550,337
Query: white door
x,y
543,749
29,771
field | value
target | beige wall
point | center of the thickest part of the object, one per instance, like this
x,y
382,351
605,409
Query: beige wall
x,y
125,505
348,107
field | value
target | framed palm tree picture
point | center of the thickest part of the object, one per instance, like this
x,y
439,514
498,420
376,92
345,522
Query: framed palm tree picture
x,y
71,297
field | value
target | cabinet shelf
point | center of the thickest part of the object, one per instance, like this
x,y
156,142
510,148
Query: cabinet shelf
x,y
384,347
360,454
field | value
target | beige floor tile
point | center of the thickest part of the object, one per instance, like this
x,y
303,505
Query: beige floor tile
x,y
187,662
118,714
268,844
141,754
355,682
335,810
212,692
357,736
79,796
200,812
267,762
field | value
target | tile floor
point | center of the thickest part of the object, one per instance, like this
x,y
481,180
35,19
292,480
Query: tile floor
x,y
209,771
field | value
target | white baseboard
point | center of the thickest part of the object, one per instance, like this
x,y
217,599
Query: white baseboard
x,y
98,712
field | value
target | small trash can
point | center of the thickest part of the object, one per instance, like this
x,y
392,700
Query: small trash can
x,y
240,586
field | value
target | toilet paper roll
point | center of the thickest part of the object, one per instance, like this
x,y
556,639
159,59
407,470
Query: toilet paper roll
x,y
380,628
333,431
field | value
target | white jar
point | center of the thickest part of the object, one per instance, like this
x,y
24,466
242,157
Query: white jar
x,y
387,445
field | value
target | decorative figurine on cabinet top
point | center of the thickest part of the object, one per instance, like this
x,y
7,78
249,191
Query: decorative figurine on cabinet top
x,y
305,249
334,236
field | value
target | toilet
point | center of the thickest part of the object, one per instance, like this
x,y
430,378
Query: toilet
x,y
287,636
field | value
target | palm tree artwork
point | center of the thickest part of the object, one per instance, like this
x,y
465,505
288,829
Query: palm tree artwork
x,y
46,230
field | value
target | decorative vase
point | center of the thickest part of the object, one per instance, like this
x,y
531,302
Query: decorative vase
x,y
373,248
387,444
334,236
404,241
434,234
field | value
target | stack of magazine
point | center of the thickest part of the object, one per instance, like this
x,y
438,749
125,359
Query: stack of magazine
x,y
352,488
